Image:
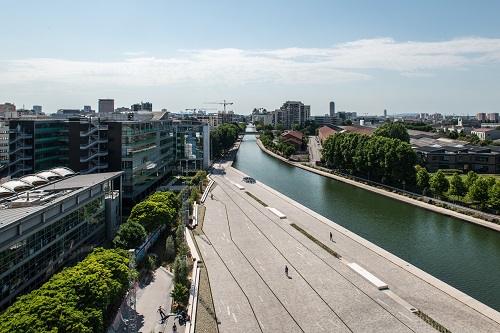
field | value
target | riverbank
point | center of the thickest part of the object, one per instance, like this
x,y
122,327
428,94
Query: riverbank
x,y
386,193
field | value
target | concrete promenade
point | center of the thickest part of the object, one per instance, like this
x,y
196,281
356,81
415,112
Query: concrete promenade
x,y
246,247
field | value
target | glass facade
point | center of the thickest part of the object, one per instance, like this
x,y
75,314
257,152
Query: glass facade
x,y
29,262
51,145
189,146
147,156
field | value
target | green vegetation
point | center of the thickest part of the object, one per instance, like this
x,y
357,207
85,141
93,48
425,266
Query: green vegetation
x,y
276,145
432,322
394,130
420,126
256,199
223,138
158,209
311,237
130,235
74,300
373,157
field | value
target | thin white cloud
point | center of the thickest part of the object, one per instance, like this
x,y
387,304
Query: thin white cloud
x,y
139,53
339,63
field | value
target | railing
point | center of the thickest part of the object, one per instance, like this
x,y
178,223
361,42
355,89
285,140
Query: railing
x,y
94,155
18,148
22,158
99,166
22,136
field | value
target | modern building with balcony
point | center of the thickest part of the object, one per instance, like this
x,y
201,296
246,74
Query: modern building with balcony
x,y
51,220
36,145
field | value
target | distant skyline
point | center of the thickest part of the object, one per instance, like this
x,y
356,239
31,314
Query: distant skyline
x,y
438,56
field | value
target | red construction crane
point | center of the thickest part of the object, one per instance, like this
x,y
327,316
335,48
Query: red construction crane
x,y
223,103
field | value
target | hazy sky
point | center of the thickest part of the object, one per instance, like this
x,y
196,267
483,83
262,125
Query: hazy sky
x,y
404,56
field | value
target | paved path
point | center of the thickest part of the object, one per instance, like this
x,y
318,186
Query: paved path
x,y
246,248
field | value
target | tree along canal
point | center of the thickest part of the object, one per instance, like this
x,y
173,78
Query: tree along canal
x,y
464,255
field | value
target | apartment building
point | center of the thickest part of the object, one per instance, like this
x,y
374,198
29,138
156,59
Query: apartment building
x,y
147,148
473,158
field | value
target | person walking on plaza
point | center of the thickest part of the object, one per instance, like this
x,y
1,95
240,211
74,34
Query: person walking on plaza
x,y
162,313
331,238
286,270
174,328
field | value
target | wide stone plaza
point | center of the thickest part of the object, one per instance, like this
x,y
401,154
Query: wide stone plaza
x,y
249,239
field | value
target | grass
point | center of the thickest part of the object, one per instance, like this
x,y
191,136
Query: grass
x,y
432,322
317,242
256,199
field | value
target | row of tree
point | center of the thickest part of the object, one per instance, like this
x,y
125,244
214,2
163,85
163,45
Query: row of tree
x,y
223,138
482,190
276,145
74,300
374,157
160,208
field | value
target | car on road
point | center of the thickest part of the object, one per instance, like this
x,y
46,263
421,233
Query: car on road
x,y
249,180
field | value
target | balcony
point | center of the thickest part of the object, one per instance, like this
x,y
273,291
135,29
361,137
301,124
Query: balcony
x,y
21,158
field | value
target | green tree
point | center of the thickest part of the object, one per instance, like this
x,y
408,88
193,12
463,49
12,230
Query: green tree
x,y
180,293
471,178
395,130
170,248
152,214
180,271
457,186
494,195
439,183
423,178
479,192
130,235
347,122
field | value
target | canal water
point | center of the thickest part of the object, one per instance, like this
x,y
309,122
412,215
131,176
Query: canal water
x,y
464,255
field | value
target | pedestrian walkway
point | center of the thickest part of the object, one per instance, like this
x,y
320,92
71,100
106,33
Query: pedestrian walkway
x,y
246,248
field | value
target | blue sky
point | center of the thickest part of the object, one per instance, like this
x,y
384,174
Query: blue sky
x,y
404,56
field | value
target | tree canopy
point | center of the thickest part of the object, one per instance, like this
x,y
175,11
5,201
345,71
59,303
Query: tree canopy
x,y
130,235
158,209
395,130
439,183
375,157
223,138
74,300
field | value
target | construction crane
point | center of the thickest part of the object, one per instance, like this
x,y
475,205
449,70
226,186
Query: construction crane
x,y
223,103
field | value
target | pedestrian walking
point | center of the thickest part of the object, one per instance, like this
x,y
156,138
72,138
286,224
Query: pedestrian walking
x,y
286,270
162,313
174,328
331,236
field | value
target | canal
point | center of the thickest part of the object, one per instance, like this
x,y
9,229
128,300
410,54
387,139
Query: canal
x,y
464,255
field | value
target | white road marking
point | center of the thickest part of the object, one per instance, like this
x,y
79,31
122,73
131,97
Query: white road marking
x,y
224,234
320,280
261,323
203,245
334,323
228,241
222,302
262,268
234,317
261,299
300,254
258,261
405,316
204,254
382,302
238,304
320,326
228,313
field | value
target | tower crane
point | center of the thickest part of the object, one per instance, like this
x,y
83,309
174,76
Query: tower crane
x,y
223,103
